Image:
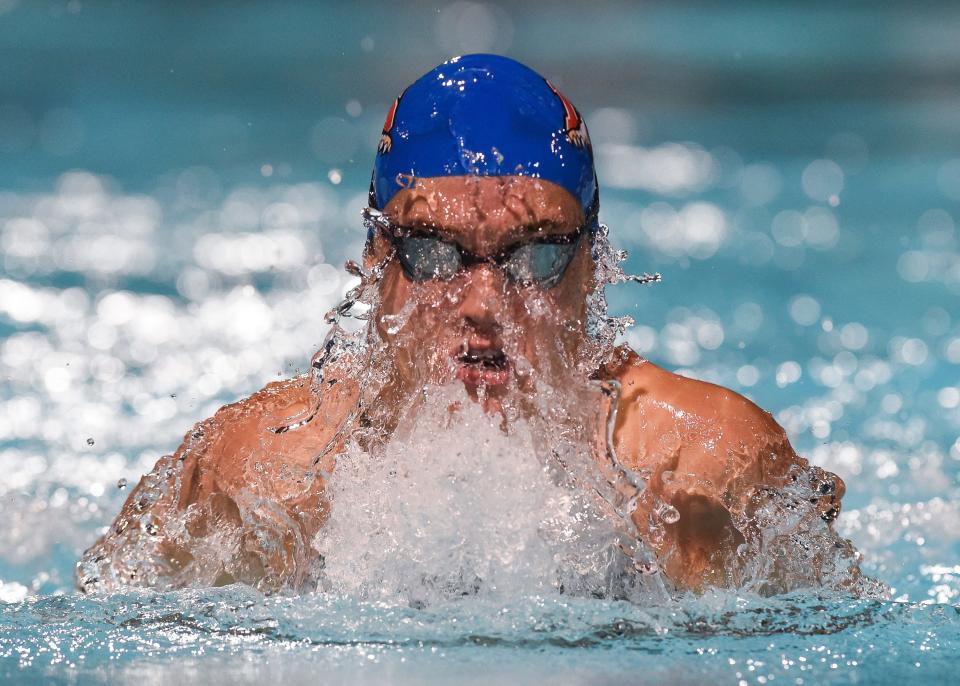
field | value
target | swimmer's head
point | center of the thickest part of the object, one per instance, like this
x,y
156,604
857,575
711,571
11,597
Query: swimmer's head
x,y
484,115
485,179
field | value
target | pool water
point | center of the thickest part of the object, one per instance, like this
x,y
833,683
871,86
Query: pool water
x,y
179,190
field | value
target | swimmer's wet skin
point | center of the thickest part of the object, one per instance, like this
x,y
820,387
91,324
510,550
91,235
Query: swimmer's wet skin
x,y
482,259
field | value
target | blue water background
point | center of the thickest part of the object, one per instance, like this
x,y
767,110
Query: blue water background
x,y
792,168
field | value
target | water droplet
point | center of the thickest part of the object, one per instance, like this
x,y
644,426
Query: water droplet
x,y
393,323
647,567
669,514
122,484
90,441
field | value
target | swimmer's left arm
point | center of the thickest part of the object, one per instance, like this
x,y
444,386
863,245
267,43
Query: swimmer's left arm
x,y
708,452
732,450
759,454
708,440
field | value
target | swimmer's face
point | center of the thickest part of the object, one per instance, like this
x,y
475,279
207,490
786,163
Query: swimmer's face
x,y
482,325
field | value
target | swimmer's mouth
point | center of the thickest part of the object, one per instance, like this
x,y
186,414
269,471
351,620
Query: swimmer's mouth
x,y
482,366
494,359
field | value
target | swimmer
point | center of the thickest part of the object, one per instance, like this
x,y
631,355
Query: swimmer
x,y
484,210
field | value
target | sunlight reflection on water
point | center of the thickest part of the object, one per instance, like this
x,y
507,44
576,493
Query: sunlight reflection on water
x,y
818,275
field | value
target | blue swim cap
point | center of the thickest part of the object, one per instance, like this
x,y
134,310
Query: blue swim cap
x,y
484,115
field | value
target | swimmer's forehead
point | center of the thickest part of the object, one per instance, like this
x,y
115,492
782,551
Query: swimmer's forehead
x,y
482,211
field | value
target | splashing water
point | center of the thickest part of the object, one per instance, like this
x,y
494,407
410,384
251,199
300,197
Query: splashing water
x,y
788,543
534,505
431,495
483,515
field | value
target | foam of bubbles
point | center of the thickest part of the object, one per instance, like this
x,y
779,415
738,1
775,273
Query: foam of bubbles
x,y
436,516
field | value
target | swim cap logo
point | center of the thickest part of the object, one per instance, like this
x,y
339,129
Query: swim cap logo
x,y
573,124
386,141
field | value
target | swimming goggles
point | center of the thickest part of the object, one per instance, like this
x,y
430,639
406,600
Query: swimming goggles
x,y
424,256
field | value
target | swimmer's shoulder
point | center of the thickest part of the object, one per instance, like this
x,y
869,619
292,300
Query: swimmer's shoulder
x,y
655,403
644,383
281,426
245,421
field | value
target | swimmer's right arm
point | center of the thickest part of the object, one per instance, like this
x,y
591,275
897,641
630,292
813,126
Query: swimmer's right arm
x,y
239,501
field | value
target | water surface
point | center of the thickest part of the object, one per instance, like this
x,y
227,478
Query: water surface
x,y
178,191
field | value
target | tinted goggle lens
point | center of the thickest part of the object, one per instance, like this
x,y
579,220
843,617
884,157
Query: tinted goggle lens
x,y
540,263
423,259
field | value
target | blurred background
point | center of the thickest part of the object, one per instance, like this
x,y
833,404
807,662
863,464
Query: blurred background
x,y
181,182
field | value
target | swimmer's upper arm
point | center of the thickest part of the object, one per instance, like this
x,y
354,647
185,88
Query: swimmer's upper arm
x,y
756,452
715,442
282,427
707,451
195,492
698,428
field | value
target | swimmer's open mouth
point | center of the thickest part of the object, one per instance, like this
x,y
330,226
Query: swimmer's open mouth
x,y
494,359
484,365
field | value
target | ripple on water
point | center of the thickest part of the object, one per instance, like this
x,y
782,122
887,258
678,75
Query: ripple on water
x,y
216,635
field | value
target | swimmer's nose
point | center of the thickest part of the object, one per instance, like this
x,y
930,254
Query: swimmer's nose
x,y
482,297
